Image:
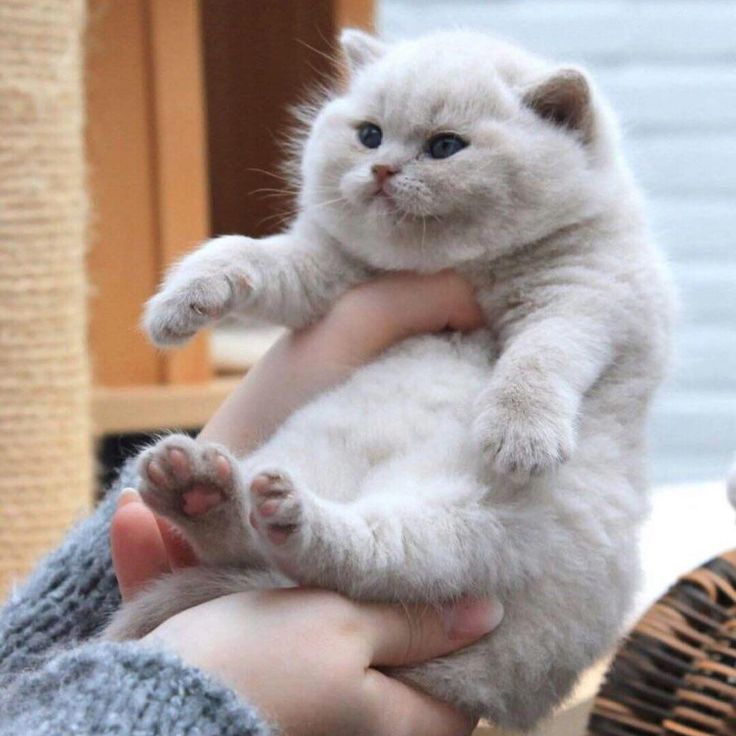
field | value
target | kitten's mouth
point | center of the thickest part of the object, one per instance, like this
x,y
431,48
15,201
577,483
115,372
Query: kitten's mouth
x,y
384,199
388,206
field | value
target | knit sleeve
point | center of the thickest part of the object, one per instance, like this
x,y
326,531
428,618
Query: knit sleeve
x,y
71,594
56,679
106,688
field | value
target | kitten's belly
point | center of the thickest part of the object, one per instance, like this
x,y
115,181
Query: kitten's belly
x,y
415,403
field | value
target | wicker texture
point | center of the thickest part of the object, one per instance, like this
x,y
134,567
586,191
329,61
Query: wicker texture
x,y
45,463
676,673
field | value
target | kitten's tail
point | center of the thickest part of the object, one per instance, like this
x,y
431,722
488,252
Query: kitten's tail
x,y
175,592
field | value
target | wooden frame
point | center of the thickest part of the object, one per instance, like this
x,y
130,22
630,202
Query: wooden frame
x,y
149,178
355,14
147,173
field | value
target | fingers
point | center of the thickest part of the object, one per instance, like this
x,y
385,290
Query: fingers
x,y
398,636
400,710
138,551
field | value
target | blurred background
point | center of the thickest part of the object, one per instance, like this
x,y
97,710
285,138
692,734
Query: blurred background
x,y
130,130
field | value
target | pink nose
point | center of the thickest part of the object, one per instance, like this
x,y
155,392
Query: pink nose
x,y
383,172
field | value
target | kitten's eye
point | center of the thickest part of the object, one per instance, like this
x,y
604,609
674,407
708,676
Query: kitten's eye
x,y
370,135
444,145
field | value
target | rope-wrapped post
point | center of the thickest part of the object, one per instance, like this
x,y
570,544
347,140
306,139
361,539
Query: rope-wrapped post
x,y
45,458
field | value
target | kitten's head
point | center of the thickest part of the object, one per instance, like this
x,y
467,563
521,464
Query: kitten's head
x,y
449,148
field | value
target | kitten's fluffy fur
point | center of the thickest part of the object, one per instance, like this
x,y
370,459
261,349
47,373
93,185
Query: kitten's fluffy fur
x,y
509,461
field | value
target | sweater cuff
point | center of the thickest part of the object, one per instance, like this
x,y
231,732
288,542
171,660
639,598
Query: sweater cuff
x,y
111,688
70,596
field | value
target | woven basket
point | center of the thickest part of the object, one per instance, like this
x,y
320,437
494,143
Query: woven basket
x,y
676,673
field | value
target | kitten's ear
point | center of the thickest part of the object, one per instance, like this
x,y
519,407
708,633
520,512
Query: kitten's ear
x,y
565,99
360,48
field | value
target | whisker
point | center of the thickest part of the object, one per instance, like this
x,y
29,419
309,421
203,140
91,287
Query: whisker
x,y
268,173
279,218
272,191
323,54
328,202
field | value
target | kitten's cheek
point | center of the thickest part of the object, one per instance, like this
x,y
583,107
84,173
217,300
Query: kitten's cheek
x,y
355,190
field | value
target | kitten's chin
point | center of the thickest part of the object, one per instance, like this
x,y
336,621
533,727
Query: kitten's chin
x,y
395,212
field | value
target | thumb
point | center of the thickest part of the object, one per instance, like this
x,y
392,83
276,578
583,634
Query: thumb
x,y
405,635
138,551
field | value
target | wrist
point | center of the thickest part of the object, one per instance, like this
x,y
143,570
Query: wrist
x,y
377,314
364,322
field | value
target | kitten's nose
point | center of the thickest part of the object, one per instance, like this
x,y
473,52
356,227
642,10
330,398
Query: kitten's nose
x,y
383,172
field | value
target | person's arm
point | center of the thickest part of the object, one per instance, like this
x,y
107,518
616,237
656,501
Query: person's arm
x,y
73,592
96,689
363,323
53,677
70,595
309,659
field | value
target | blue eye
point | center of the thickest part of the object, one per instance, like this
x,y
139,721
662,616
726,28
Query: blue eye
x,y
370,135
444,145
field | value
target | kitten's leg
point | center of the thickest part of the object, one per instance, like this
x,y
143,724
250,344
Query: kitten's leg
x,y
289,279
176,592
379,547
528,413
198,487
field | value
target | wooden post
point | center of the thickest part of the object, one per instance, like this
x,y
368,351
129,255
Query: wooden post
x,y
149,149
178,107
146,151
355,14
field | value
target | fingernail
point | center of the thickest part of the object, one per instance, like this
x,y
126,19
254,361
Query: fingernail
x,y
470,619
127,495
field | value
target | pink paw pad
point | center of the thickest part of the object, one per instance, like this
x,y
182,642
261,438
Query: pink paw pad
x,y
273,496
269,484
155,473
200,499
280,534
180,466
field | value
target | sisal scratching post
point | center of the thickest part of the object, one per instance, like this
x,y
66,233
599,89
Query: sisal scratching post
x,y
45,461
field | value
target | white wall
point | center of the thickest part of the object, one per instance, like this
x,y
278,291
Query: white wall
x,y
670,70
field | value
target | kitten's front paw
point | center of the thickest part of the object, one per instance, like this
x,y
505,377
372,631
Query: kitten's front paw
x,y
186,305
523,442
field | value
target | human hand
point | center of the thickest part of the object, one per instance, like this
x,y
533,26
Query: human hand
x,y
363,322
306,658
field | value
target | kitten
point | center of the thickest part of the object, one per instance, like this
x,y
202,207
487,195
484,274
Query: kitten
x,y
507,462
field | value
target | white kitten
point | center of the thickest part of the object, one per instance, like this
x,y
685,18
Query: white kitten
x,y
508,462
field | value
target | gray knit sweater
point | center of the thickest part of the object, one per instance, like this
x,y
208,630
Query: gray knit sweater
x,y
54,679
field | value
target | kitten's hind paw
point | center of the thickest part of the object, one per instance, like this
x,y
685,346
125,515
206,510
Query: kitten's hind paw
x,y
284,518
185,480
277,508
